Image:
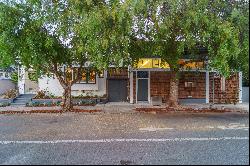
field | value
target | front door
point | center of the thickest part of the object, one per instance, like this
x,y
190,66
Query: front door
x,y
142,90
142,85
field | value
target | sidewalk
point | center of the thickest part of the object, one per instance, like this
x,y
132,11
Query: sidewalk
x,y
124,107
238,107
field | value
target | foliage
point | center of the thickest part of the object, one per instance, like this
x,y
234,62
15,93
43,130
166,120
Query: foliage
x,y
10,94
33,76
170,28
57,36
42,94
4,104
14,77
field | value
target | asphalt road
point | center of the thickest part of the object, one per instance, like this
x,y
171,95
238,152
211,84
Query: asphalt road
x,y
121,139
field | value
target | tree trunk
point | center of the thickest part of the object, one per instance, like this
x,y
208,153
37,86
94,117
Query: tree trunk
x,y
173,94
67,100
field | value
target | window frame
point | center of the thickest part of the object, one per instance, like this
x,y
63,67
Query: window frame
x,y
87,71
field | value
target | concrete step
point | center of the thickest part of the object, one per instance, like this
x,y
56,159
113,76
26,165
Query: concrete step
x,y
26,95
22,98
21,101
17,104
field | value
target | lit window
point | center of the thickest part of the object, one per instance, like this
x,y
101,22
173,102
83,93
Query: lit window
x,y
91,77
68,73
87,76
83,77
101,74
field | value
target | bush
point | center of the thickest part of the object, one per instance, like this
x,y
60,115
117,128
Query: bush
x,y
4,104
41,95
10,94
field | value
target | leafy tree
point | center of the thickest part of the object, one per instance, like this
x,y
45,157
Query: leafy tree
x,y
14,77
57,36
169,28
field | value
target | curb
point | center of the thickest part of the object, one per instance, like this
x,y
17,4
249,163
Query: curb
x,y
49,111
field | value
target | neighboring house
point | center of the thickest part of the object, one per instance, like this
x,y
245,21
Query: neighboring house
x,y
5,80
146,79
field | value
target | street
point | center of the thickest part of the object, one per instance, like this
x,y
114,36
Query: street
x,y
126,138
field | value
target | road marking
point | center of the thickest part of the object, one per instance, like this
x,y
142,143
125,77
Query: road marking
x,y
231,126
125,140
155,129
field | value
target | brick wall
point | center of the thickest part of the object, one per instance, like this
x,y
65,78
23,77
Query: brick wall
x,y
159,84
231,93
198,79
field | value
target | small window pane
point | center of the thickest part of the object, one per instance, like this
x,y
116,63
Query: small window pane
x,y
84,77
142,74
101,74
92,77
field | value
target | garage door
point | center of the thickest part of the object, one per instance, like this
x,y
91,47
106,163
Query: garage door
x,y
117,90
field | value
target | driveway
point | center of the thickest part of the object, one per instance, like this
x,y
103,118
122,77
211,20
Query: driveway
x,y
139,138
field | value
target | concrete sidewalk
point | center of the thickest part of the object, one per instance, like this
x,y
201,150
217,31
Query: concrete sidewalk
x,y
240,106
124,107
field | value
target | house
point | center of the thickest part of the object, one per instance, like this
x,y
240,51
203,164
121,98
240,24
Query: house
x,y
5,80
146,79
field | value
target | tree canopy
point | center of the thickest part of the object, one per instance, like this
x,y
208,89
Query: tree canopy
x,y
58,36
48,35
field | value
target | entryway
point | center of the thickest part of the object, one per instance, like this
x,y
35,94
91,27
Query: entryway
x,y
142,86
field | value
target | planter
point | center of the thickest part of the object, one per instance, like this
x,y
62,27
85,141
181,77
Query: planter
x,y
103,100
58,102
5,102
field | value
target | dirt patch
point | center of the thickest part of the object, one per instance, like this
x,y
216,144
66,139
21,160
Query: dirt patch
x,y
183,109
47,111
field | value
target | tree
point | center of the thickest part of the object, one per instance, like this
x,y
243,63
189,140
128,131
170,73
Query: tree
x,y
172,27
55,37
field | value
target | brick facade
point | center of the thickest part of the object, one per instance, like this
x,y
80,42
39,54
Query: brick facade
x,y
198,88
159,84
231,92
191,85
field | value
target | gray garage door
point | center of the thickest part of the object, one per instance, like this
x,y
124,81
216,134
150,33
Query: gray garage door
x,y
117,90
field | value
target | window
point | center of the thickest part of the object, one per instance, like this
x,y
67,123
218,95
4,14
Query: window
x,y
1,74
7,75
142,74
87,76
91,77
101,74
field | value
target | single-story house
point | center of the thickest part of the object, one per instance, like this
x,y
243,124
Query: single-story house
x,y
148,78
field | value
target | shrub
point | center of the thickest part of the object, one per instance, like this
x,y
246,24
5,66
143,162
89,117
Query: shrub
x,y
10,94
4,104
41,95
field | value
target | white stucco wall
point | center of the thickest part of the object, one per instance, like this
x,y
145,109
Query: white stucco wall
x,y
26,86
53,86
